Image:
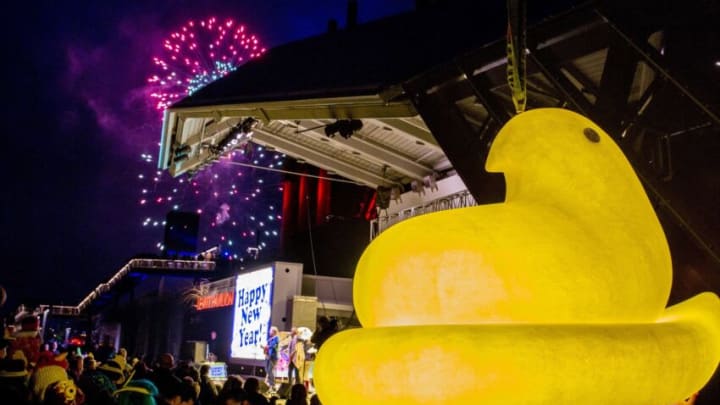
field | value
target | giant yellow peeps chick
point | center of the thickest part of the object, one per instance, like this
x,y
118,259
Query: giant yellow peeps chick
x,y
556,296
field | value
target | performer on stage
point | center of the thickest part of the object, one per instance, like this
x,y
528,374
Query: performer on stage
x,y
293,369
271,357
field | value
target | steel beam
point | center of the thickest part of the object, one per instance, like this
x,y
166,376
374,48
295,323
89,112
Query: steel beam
x,y
481,87
377,153
548,65
319,159
615,85
460,142
412,131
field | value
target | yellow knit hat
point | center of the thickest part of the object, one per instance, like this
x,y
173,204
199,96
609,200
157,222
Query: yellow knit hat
x,y
49,370
115,369
14,366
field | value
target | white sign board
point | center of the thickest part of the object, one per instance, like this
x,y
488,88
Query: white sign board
x,y
251,319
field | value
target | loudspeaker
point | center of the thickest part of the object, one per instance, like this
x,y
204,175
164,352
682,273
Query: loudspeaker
x,y
181,233
304,311
260,372
244,369
194,350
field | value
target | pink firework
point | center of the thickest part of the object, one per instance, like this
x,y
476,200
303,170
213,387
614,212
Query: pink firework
x,y
198,53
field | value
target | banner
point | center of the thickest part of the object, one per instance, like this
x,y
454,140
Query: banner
x,y
251,320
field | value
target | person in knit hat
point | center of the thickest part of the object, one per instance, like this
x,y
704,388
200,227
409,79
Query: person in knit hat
x,y
49,369
137,392
63,392
96,385
13,379
115,369
28,338
162,376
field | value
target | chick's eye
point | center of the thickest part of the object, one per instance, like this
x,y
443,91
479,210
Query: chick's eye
x,y
591,135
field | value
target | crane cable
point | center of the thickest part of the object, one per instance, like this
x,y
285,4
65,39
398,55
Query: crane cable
x,y
516,45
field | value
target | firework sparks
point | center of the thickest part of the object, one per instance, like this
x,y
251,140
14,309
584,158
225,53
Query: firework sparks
x,y
238,209
197,54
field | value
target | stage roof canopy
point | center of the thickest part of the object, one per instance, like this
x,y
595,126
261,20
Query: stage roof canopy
x,y
430,90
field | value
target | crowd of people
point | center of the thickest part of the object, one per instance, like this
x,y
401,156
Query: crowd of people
x,y
32,373
71,378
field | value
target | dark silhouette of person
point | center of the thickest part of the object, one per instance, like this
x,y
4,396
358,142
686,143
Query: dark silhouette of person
x,y
252,390
298,395
208,391
163,377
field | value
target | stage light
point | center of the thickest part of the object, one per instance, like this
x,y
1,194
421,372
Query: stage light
x,y
222,146
346,128
237,135
181,152
248,125
555,296
383,197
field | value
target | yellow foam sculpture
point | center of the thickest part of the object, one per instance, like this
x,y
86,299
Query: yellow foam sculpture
x,y
556,296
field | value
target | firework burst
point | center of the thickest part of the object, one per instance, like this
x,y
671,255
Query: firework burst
x,y
199,53
239,208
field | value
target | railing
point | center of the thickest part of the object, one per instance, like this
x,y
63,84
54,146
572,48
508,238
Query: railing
x,y
171,264
385,220
151,264
64,310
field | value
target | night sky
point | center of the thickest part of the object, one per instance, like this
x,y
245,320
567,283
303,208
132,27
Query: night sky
x,y
78,120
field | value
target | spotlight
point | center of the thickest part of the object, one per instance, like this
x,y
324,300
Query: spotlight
x,y
237,133
225,142
181,152
383,197
346,128
248,125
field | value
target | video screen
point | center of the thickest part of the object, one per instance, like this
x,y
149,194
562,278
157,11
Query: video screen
x,y
251,319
